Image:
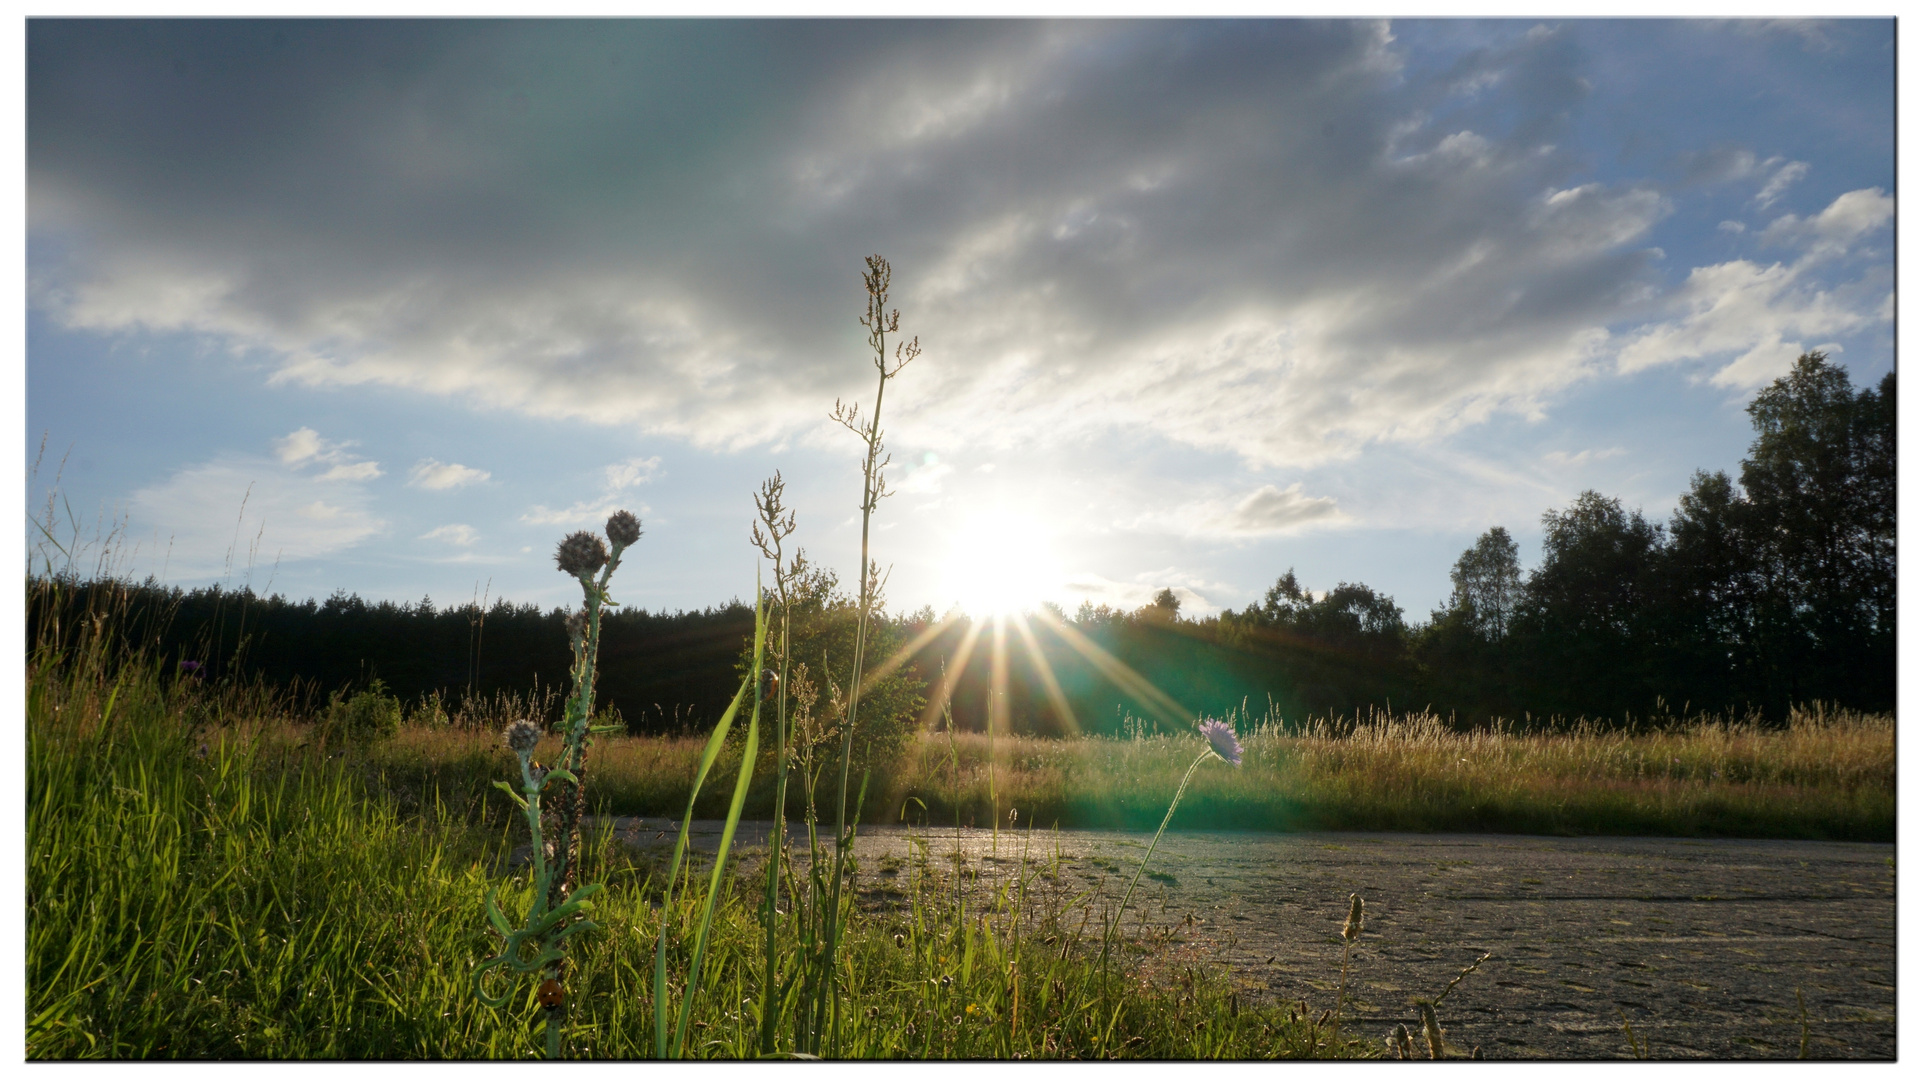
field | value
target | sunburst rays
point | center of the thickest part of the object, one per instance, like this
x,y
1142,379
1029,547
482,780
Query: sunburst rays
x,y
998,659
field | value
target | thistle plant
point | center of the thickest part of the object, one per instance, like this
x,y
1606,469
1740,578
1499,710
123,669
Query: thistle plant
x,y
558,911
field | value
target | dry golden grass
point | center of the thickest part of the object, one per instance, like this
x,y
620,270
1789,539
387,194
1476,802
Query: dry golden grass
x,y
1825,775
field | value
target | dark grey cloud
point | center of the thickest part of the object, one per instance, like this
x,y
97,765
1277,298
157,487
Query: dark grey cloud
x,y
1273,238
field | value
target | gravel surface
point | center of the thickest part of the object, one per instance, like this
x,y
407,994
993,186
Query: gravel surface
x,y
1702,946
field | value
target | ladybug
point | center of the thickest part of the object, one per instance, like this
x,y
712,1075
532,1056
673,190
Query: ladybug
x,y
551,995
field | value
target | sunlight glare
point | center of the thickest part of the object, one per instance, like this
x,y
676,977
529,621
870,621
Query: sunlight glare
x,y
999,563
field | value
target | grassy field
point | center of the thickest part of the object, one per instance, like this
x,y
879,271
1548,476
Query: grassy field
x,y
1823,776
206,883
210,877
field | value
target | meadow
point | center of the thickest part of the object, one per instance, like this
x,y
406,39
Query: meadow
x,y
209,879
1821,776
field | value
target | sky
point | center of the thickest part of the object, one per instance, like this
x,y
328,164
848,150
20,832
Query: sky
x,y
391,307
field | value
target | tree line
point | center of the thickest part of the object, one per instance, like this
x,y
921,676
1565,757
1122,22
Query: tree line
x,y
1771,590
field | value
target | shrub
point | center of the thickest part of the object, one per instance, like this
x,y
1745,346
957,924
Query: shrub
x,y
370,716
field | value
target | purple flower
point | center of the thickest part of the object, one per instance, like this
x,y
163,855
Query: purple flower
x,y
192,669
1219,735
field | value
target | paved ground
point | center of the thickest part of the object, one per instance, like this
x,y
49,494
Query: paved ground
x,y
1701,945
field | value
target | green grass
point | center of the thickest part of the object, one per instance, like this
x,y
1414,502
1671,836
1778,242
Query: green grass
x,y
1824,776
202,885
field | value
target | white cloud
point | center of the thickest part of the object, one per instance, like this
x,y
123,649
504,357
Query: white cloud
x,y
1759,318
1582,457
244,514
617,479
926,478
1733,227
359,470
304,447
299,446
462,535
631,473
1784,177
435,475
1836,228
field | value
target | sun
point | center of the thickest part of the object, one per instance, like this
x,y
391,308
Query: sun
x,y
1000,562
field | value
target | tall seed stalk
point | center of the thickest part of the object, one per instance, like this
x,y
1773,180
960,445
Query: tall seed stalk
x,y
879,323
779,524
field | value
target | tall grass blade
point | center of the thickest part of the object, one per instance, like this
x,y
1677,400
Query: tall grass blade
x,y
712,752
747,758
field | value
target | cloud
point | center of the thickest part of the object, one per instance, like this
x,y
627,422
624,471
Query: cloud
x,y
242,515
926,478
462,535
1285,243
1836,228
1562,458
632,472
1270,510
1718,165
435,475
1762,317
359,470
1267,511
304,447
1787,175
1282,240
617,478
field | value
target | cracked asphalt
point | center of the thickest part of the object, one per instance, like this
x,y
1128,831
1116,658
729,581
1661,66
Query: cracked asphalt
x,y
1703,948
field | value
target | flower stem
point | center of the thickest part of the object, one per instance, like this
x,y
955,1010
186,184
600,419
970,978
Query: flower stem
x,y
1168,820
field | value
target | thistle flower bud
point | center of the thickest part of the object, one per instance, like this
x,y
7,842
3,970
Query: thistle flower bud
x,y
522,737
623,529
1402,1042
1356,920
581,555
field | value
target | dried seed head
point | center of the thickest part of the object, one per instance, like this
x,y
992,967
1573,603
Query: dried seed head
x,y
522,737
623,529
1435,1041
581,555
1356,920
576,625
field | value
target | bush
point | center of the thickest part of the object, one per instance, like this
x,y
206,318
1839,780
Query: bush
x,y
370,716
